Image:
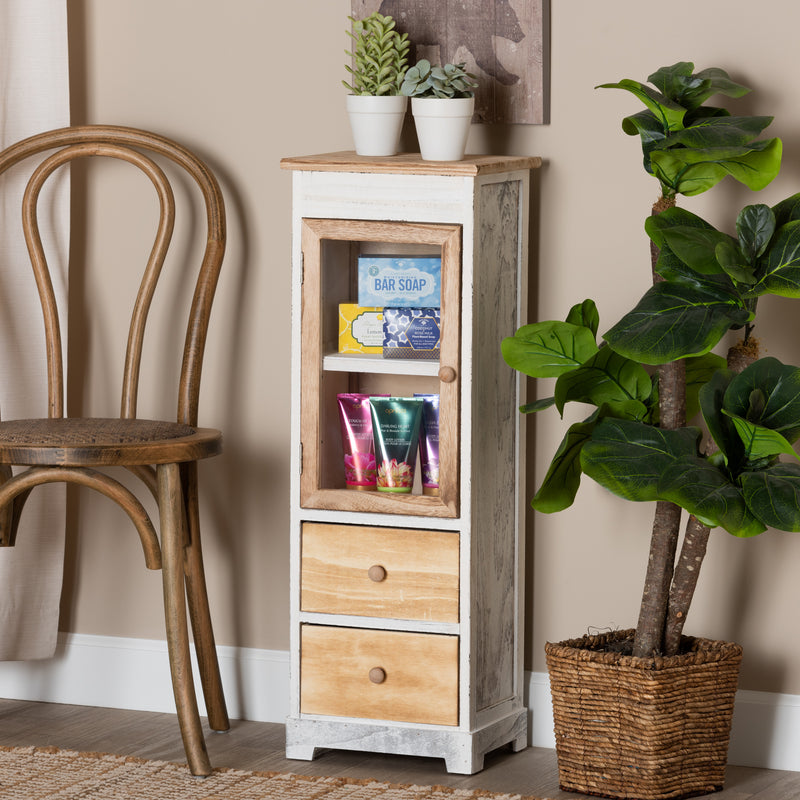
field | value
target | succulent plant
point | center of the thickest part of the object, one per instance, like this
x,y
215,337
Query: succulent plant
x,y
451,80
380,56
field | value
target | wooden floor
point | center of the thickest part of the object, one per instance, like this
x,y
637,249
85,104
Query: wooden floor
x,y
259,746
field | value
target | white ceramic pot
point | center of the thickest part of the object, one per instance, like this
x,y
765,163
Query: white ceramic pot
x,y
376,123
442,126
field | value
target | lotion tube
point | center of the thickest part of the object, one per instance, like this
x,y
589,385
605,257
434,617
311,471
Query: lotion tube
x,y
357,441
395,426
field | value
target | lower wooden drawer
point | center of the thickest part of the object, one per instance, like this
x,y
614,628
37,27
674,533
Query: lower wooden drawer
x,y
392,675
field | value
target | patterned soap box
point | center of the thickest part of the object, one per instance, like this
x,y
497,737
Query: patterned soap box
x,y
411,333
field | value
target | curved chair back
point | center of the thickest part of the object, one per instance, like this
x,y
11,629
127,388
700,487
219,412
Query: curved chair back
x,y
135,147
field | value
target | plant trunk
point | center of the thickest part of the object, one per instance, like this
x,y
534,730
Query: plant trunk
x,y
695,540
650,628
655,597
687,570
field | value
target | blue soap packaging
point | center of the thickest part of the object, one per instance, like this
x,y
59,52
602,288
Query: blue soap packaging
x,y
411,333
399,281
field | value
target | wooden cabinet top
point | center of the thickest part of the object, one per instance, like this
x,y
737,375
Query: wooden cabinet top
x,y
409,164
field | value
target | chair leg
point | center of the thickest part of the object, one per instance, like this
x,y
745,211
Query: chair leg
x,y
199,612
172,544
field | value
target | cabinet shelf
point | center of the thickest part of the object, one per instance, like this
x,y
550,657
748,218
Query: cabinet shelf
x,y
377,365
378,503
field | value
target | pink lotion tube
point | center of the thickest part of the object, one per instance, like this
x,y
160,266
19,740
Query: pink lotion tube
x,y
358,442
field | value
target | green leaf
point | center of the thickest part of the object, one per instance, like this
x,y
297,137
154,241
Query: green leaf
x,y
696,254
607,378
585,314
668,112
733,262
787,210
643,463
548,349
690,90
674,320
674,217
672,81
759,442
699,371
719,132
650,130
696,246
780,268
538,405
773,496
690,172
672,269
563,478
755,226
720,82
712,397
778,387
704,490
629,457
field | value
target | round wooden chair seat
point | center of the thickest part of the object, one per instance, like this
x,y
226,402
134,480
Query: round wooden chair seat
x,y
103,442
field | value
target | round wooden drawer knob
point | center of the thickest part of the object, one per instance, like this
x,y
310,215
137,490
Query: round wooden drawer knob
x,y
376,573
377,675
447,374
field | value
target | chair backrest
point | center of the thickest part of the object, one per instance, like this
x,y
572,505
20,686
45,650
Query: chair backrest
x,y
133,146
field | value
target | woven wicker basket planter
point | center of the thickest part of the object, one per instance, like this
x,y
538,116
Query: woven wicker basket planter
x,y
643,728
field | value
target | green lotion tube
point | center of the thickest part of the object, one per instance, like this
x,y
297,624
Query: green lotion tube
x,y
395,428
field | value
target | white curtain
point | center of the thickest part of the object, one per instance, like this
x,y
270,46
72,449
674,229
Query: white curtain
x,y
34,97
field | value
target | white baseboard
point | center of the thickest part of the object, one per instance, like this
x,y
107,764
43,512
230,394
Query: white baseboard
x,y
134,673
114,672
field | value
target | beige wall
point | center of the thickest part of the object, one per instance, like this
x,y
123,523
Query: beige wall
x,y
249,81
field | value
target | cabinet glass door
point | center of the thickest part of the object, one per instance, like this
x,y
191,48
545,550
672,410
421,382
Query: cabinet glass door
x,y
331,248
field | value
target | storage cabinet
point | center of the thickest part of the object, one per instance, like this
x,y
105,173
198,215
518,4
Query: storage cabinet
x,y
406,610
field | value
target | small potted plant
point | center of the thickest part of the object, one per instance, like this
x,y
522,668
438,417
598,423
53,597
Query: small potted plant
x,y
647,712
442,102
376,107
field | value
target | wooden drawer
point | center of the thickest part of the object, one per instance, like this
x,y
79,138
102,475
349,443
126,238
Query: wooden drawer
x,y
392,675
398,573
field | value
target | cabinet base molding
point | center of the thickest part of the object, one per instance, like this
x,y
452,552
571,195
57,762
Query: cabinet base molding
x,y
463,751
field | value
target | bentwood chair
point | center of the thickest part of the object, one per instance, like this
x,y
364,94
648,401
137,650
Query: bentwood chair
x,y
163,455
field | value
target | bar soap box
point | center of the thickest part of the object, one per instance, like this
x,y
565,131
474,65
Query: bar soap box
x,y
360,329
411,333
399,281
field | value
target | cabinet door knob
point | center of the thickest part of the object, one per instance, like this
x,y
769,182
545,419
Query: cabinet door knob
x,y
447,374
376,573
377,675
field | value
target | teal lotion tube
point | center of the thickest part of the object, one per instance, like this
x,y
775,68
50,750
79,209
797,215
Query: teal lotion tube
x,y
395,426
357,441
429,443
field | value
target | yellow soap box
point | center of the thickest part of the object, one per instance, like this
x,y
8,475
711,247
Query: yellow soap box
x,y
360,329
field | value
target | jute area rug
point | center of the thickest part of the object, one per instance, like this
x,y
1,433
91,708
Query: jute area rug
x,y
35,773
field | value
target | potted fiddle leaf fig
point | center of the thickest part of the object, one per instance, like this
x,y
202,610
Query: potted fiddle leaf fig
x,y
375,106
628,690
442,104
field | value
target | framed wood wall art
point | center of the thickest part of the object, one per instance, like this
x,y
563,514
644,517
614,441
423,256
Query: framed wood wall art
x,y
503,42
